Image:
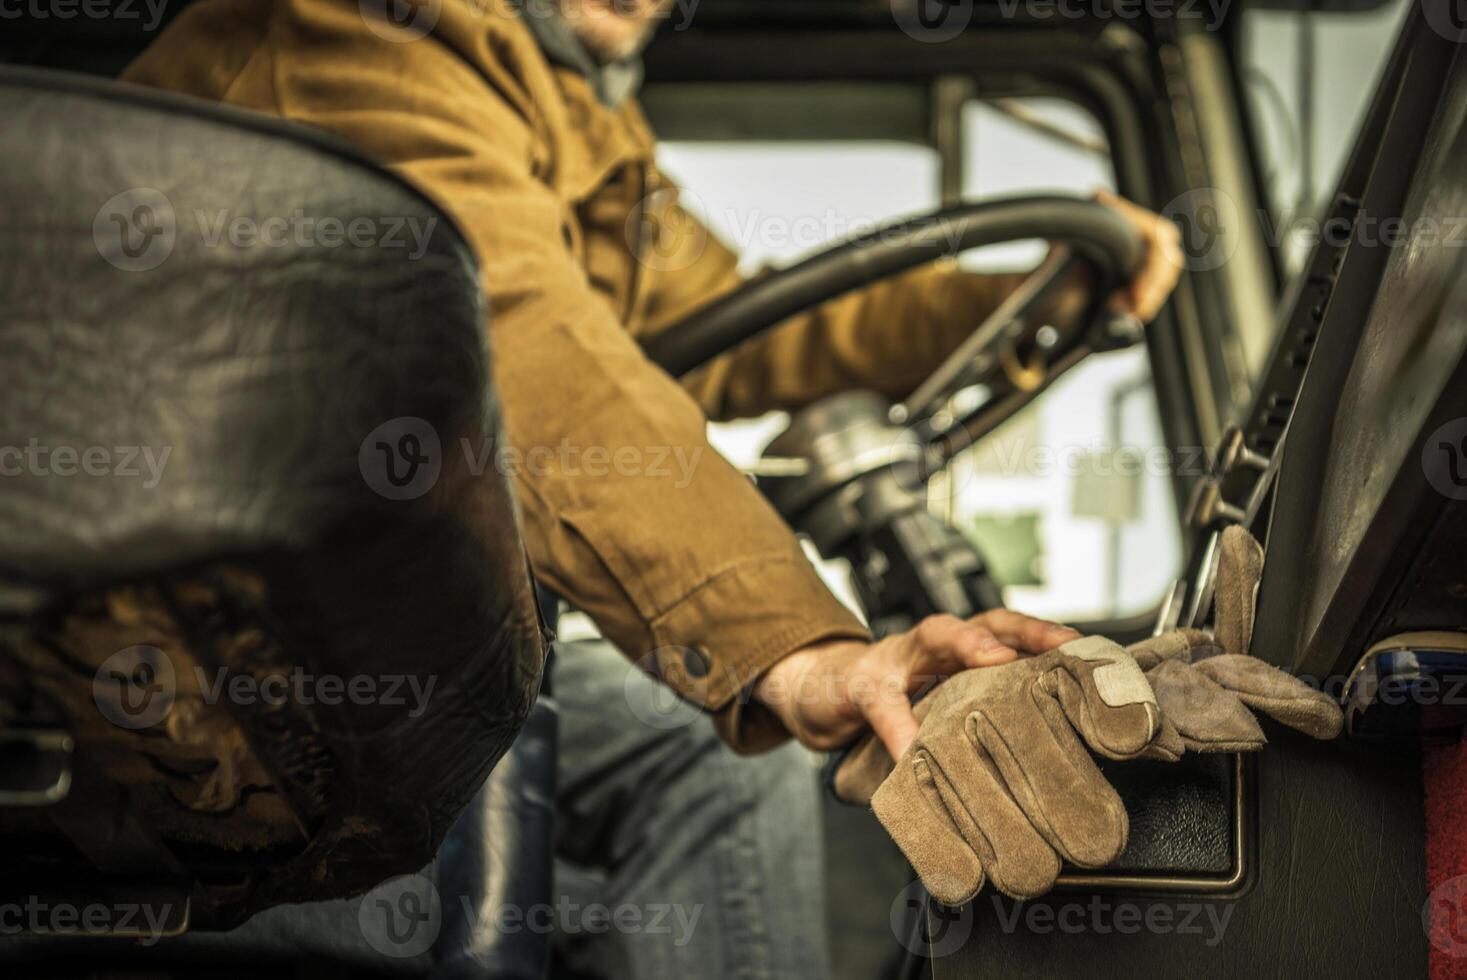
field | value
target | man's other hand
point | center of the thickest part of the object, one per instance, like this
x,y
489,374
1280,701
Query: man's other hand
x,y
829,693
1161,264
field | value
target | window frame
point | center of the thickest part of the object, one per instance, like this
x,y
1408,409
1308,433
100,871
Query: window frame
x,y
1138,83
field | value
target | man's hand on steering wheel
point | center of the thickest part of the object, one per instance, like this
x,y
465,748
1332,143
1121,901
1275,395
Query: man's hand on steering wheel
x,y
1161,264
829,693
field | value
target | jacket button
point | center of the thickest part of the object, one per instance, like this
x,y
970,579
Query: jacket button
x,y
696,662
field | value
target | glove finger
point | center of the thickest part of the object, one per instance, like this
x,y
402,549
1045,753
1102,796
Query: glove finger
x,y
1105,696
1239,570
868,762
909,807
1014,855
1054,780
1183,644
1168,745
1205,716
1286,699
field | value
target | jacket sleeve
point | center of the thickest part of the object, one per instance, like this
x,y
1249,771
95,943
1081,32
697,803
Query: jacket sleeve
x,y
628,512
886,337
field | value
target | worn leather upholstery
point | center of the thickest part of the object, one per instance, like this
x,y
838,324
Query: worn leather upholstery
x,y
494,868
129,318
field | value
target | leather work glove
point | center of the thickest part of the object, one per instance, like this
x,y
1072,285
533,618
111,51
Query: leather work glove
x,y
997,784
1202,686
1205,685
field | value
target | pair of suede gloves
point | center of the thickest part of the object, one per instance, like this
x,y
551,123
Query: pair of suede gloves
x,y
998,785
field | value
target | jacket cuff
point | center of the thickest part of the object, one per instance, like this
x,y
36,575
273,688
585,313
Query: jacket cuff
x,y
719,640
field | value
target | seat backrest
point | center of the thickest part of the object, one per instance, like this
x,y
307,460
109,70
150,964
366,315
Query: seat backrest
x,y
246,419
98,37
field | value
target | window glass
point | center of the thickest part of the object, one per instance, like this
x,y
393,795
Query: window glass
x,y
1345,53
774,203
1071,499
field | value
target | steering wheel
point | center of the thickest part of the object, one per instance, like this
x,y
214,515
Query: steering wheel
x,y
1082,229
851,470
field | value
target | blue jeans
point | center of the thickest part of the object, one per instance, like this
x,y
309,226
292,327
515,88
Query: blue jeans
x,y
707,864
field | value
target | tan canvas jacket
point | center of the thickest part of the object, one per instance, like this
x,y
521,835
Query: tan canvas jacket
x,y
584,248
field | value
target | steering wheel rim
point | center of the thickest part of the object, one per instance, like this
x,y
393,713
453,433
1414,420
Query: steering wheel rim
x,y
1095,232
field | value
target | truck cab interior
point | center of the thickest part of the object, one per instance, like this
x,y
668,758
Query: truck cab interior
x,y
1307,379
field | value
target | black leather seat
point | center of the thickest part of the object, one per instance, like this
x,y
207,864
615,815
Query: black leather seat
x,y
296,337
